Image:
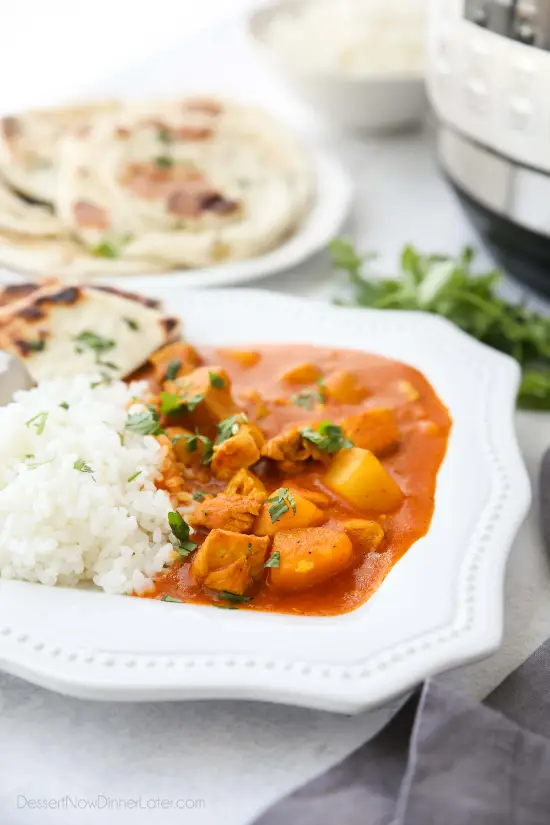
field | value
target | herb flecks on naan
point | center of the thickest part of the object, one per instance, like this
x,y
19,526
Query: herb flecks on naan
x,y
65,330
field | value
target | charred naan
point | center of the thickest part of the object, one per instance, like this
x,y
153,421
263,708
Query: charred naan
x,y
65,330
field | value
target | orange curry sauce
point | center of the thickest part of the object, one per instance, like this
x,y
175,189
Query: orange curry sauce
x,y
424,425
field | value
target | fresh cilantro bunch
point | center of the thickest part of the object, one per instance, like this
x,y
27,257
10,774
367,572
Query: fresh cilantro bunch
x,y
447,287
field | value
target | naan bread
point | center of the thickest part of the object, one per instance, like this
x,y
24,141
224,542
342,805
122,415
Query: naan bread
x,y
30,143
65,330
187,183
64,258
28,219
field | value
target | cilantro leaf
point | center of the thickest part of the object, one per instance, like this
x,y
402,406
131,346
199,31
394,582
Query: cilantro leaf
x,y
81,466
448,287
38,422
172,369
274,560
216,381
226,595
307,399
329,437
181,531
230,427
145,422
281,504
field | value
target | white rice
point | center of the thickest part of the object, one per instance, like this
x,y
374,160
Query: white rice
x,y
59,525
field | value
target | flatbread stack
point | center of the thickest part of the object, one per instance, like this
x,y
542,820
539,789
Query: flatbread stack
x,y
112,189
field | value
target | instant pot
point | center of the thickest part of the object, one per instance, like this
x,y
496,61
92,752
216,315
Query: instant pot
x,y
489,82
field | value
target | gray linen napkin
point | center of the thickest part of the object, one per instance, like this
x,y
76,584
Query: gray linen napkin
x,y
445,760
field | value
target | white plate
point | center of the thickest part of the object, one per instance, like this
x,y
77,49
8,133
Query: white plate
x,y
441,605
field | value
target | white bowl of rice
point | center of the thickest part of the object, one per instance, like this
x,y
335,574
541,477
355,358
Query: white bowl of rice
x,y
358,62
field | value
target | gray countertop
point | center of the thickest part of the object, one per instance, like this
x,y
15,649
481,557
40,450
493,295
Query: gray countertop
x,y
84,762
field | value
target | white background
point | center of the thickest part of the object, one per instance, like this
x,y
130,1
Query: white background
x,y
51,48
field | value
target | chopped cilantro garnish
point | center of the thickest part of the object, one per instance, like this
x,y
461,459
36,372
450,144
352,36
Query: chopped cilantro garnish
x,y
64,405
38,422
81,466
180,529
105,249
307,399
97,343
169,403
198,496
281,504
145,422
227,596
167,598
274,560
164,135
135,475
230,427
172,369
132,324
216,381
36,464
36,346
164,161
330,437
121,438
193,443
193,402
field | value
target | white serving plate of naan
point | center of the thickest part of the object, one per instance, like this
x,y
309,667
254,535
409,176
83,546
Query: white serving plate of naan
x,y
331,206
440,607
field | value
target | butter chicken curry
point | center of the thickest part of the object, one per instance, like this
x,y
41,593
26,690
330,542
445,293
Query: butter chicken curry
x,y
305,473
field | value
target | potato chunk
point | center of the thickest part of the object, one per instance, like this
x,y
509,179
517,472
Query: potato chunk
x,y
375,430
343,386
358,476
246,358
212,403
222,548
174,361
240,451
302,374
365,535
306,515
308,557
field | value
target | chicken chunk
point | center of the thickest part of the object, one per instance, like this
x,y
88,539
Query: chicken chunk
x,y
237,452
289,450
229,512
365,535
220,551
173,361
234,578
208,391
255,405
302,374
375,430
244,483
